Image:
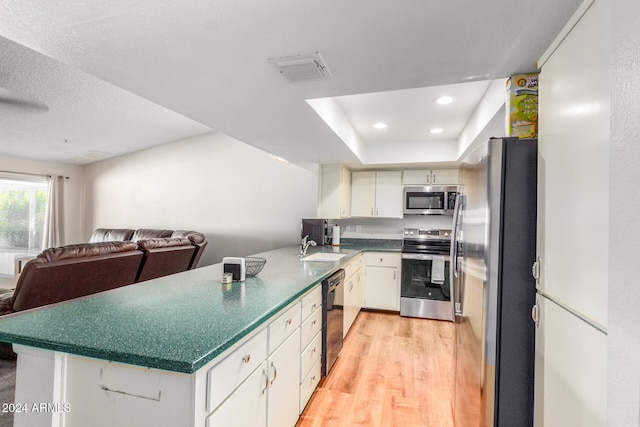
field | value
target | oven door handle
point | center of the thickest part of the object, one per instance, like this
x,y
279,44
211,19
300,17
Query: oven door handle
x,y
425,257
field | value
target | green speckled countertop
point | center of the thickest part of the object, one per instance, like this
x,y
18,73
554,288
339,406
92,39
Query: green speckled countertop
x,y
177,323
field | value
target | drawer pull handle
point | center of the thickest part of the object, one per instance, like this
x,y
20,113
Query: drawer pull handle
x,y
266,381
313,307
275,373
313,350
313,322
289,321
246,358
313,378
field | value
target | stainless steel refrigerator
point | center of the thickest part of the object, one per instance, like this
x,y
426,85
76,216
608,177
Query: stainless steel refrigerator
x,y
494,246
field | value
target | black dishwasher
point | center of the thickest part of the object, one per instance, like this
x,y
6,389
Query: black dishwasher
x,y
332,319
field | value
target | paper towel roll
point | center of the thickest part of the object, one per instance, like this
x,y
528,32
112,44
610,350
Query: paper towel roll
x,y
336,236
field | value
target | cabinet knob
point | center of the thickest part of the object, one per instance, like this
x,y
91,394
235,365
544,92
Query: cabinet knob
x,y
289,321
246,358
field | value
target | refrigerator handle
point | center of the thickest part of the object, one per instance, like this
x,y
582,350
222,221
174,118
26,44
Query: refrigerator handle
x,y
453,271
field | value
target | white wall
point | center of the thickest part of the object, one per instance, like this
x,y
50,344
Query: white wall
x,y
624,246
240,197
72,190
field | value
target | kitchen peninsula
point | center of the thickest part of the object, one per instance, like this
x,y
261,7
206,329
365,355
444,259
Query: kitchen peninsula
x,y
153,353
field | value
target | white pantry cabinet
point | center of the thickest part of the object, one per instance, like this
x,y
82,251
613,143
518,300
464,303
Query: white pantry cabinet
x,y
431,177
334,199
382,281
376,194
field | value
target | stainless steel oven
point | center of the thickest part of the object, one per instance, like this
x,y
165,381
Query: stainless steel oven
x,y
425,288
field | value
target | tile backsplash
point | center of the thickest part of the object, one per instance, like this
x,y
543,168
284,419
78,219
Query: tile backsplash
x,y
388,228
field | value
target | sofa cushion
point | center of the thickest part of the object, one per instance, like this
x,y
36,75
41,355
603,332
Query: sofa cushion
x,y
150,233
84,250
195,237
167,242
111,234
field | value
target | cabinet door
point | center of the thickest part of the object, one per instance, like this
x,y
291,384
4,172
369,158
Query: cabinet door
x,y
284,384
335,192
349,306
571,375
416,177
388,196
445,176
363,194
382,288
247,405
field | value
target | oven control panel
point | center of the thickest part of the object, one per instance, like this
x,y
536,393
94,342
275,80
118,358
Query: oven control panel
x,y
426,234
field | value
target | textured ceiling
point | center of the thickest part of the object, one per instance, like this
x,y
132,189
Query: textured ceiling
x,y
101,66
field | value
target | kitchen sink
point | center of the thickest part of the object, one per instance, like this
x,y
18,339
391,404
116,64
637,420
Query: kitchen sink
x,y
324,257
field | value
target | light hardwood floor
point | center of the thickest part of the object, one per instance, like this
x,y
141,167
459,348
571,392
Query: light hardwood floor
x,y
393,371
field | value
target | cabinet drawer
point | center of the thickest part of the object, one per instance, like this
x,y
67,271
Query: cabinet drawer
x,y
311,302
353,266
311,327
310,355
283,326
383,259
309,385
223,378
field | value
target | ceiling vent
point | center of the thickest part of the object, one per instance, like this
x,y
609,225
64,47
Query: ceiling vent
x,y
301,68
88,157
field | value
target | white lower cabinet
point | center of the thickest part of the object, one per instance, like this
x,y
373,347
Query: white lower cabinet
x,y
247,405
284,383
382,281
310,346
352,292
310,383
258,384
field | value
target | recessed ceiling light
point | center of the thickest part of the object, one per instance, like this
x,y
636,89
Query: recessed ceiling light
x,y
444,100
380,125
436,130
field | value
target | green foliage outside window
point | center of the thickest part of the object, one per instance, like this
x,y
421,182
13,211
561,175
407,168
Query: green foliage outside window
x,y
22,217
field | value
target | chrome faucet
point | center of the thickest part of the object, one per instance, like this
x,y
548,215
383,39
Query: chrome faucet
x,y
304,245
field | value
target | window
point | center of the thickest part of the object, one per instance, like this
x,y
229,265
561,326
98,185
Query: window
x,y
22,209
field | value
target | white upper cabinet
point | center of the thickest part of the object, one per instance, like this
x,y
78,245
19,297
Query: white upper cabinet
x,y
376,194
431,177
335,192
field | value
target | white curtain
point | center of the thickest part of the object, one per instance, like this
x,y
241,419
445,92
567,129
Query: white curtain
x,y
52,234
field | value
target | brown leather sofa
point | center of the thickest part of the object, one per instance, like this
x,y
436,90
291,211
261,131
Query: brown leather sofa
x,y
198,240
113,258
68,272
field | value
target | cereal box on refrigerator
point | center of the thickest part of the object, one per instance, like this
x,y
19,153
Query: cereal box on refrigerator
x,y
522,105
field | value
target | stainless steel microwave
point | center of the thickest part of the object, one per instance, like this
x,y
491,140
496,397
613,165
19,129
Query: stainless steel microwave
x,y
430,200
